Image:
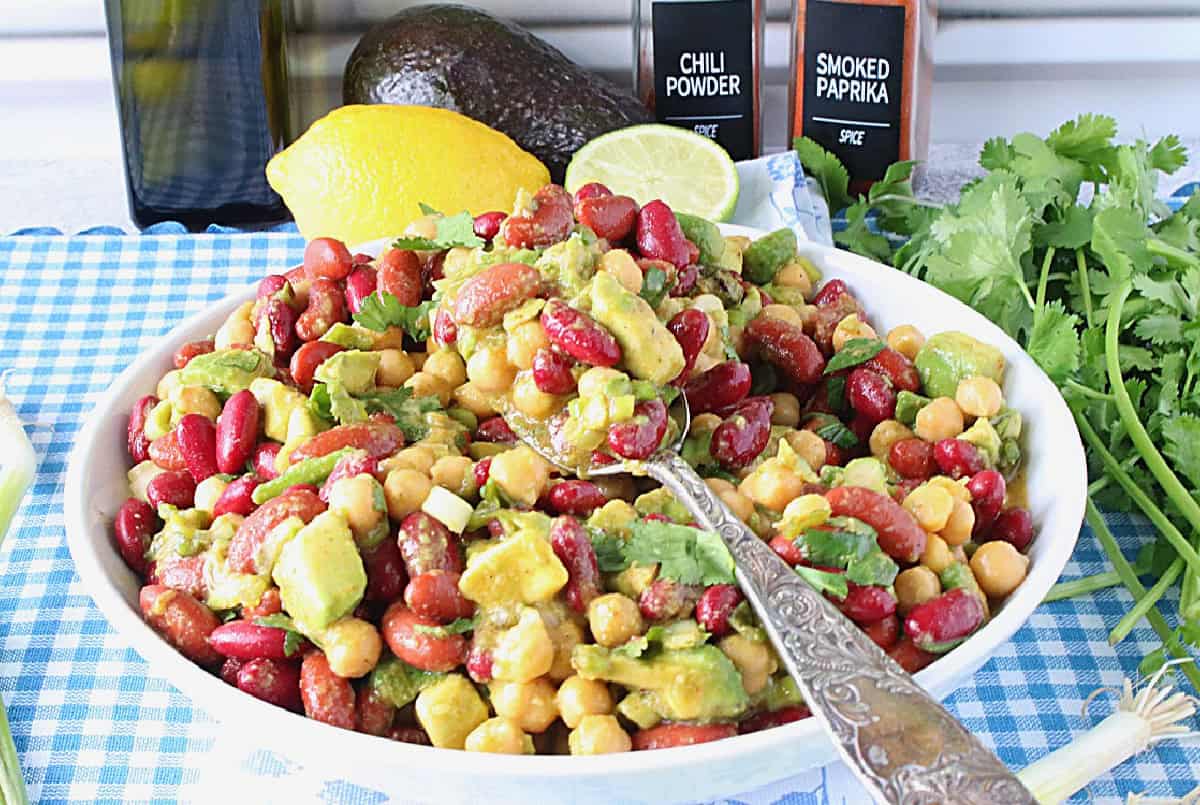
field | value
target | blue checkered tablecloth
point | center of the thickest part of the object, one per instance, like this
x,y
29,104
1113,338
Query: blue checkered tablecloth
x,y
93,722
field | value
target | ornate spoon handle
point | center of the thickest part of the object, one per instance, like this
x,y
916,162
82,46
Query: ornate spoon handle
x,y
903,745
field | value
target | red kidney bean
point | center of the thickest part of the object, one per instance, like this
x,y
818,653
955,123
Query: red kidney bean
x,y
867,604
479,664
690,328
184,354
659,235
198,441
237,497
861,427
912,458
870,395
639,437
904,487
774,718
426,544
592,190
693,253
263,460
937,626
375,713
552,372
281,323
326,307
410,735
957,458
579,335
182,620
399,273
183,573
987,490
715,606
379,439
421,649
1014,526
575,497
495,430
176,487
897,368
253,531
270,285
348,466
900,537
884,632
908,656
327,258
787,347
269,603
325,695
229,671
744,434
385,572
573,548
487,225
482,470
307,358
723,385
164,451
361,283
135,439
829,292
244,640
665,598
237,430
485,298
434,595
610,217
667,736
787,550
548,221
134,528
686,277
445,331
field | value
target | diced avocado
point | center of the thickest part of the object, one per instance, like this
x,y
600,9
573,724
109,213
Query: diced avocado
x,y
569,264
958,574
140,476
705,234
986,440
781,691
633,580
349,336
160,420
320,573
528,310
521,568
183,533
278,401
785,294
354,369
227,371
678,634
908,405
309,471
447,508
731,256
449,709
616,516
638,707
1007,424
767,255
1010,458
302,424
398,682
661,501
226,588
947,358
866,472
267,553
832,475
693,684
650,351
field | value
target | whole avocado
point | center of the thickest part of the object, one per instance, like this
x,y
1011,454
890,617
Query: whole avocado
x,y
464,59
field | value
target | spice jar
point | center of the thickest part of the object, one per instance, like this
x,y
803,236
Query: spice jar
x,y
862,74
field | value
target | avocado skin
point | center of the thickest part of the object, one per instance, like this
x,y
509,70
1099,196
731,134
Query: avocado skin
x,y
464,59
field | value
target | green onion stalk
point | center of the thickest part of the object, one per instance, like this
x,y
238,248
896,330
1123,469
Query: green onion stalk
x,y
17,467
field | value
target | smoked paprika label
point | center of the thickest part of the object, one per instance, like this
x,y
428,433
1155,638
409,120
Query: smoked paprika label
x,y
853,83
704,70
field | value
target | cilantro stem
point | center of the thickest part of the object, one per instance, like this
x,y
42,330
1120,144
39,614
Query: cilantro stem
x,y
1129,578
1088,391
906,200
1085,286
1098,485
1043,280
1083,586
1143,604
1172,253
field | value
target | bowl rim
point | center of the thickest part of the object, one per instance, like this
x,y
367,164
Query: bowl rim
x,y
209,693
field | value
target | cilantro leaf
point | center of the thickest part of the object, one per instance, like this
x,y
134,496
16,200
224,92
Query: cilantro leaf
x,y
1087,138
827,169
836,547
831,429
858,236
824,581
1054,342
408,411
876,569
456,626
684,554
292,639
609,548
382,310
654,286
856,351
1182,445
452,230
426,209
1168,154
1071,231
997,154
396,681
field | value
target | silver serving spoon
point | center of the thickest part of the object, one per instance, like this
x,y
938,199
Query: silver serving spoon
x,y
903,745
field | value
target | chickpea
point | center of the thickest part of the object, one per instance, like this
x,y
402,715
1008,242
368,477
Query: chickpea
x,y
850,328
489,369
914,586
940,419
931,506
998,567
633,580
447,365
405,489
772,486
418,358
237,329
614,619
578,697
565,635
906,340
456,473
423,227
808,511
624,269
705,423
208,491
787,410
523,343
352,647
599,735
979,396
521,473
937,556
395,368
960,524
529,705
355,499
168,384
196,400
525,651
739,504
753,659
532,401
419,457
424,384
886,434
783,313
957,489
499,736
794,275
808,446
473,399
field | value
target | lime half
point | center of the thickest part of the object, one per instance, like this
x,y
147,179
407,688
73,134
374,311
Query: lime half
x,y
688,171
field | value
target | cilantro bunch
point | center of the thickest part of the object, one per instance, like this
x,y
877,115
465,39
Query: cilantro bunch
x,y
1064,243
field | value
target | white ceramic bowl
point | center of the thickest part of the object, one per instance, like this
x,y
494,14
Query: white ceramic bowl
x,y
1056,481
